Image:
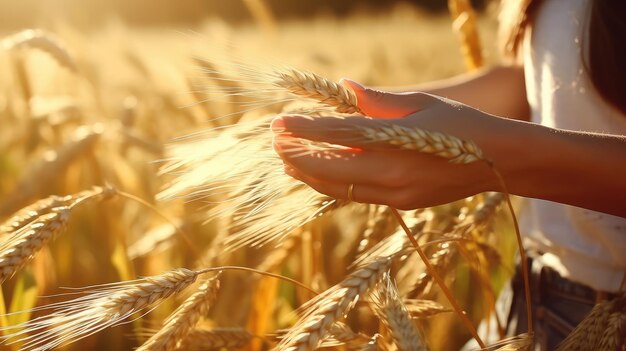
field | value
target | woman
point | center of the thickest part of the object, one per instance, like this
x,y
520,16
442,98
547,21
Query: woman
x,y
555,127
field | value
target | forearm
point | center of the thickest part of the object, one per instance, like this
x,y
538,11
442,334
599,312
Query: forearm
x,y
499,90
579,169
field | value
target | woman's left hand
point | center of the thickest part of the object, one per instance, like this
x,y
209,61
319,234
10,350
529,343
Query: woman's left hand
x,y
384,175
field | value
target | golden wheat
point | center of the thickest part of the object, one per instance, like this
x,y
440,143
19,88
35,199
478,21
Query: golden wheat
x,y
324,310
29,213
179,324
394,314
204,339
447,146
38,39
310,85
104,306
424,308
29,234
595,332
18,249
52,162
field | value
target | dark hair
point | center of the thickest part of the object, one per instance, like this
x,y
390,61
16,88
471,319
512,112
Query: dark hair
x,y
606,45
606,64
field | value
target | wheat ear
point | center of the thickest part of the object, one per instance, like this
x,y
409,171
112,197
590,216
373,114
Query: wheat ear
x,y
595,331
312,86
424,308
178,325
614,336
325,309
104,306
443,145
29,213
203,339
393,313
340,334
29,235
21,247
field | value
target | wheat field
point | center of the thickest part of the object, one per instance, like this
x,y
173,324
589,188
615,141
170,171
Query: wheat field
x,y
142,205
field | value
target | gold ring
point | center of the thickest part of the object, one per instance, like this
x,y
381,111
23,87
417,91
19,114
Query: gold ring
x,y
351,192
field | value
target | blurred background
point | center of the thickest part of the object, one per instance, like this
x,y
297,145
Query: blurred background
x,y
93,13
121,82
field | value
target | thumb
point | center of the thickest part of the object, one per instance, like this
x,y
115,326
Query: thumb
x,y
382,104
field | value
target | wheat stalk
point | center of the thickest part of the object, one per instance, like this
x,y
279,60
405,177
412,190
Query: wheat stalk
x,y
104,306
38,39
464,24
443,145
393,313
378,226
180,323
203,339
310,85
52,162
324,310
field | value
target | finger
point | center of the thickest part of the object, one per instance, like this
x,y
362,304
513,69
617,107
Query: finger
x,y
379,168
362,193
346,131
382,104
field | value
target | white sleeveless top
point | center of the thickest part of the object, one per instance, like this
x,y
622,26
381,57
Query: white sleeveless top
x,y
585,246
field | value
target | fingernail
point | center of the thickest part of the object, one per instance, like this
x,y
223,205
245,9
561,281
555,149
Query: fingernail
x,y
349,83
278,125
277,143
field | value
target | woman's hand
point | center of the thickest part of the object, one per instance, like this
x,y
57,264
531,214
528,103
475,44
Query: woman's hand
x,y
382,175
576,168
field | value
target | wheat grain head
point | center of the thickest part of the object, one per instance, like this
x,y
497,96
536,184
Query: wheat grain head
x,y
203,339
325,309
439,144
19,248
102,307
393,313
179,324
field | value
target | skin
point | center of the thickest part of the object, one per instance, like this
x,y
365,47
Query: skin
x,y
581,169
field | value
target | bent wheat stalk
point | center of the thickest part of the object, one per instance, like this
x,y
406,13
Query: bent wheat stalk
x,y
52,162
180,323
38,39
